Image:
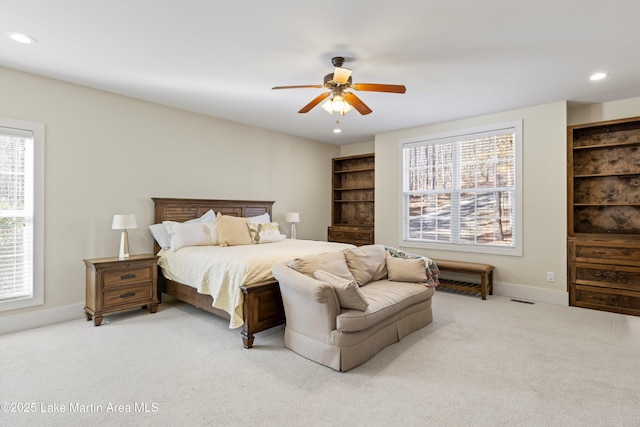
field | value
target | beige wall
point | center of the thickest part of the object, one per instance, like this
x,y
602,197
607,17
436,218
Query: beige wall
x,y
357,149
580,113
544,195
107,154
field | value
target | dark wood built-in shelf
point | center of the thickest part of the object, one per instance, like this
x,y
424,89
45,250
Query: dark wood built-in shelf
x,y
604,215
352,199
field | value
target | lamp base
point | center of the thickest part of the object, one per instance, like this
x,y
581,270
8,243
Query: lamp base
x,y
124,245
293,230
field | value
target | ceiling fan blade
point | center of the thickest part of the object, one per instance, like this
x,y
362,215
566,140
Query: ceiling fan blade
x,y
298,87
375,87
341,75
356,103
317,100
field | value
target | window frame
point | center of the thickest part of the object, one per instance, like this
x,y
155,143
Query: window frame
x,y
517,248
37,297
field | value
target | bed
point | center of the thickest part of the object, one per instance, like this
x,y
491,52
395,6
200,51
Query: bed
x,y
260,303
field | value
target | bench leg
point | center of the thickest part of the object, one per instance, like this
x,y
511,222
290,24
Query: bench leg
x,y
483,285
491,282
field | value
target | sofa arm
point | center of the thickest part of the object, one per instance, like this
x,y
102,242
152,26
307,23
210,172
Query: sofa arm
x,y
310,306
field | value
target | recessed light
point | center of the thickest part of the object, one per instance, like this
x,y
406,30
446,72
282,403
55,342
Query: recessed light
x,y
598,76
21,38
337,130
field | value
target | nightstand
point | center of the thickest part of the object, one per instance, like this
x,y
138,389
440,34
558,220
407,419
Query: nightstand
x,y
115,284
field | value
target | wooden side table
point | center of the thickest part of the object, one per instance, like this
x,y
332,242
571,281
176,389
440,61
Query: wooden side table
x,y
114,285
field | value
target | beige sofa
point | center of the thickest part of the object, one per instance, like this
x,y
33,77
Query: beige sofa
x,y
342,308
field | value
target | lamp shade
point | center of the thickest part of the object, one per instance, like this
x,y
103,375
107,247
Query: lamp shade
x,y
124,222
293,217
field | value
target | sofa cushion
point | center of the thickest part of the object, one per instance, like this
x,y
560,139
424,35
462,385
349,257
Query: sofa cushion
x,y
333,262
367,263
385,299
348,291
407,270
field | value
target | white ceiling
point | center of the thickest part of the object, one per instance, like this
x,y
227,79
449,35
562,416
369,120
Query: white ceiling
x,y
220,58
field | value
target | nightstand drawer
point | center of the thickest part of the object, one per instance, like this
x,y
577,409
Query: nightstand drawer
x,y
125,277
126,295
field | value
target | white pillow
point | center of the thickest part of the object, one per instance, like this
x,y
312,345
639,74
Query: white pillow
x,y
260,219
162,236
209,216
265,233
190,234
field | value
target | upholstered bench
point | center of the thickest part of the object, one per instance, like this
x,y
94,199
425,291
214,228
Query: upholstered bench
x,y
485,271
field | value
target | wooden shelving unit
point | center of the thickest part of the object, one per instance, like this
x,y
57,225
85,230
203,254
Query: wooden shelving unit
x,y
353,200
604,215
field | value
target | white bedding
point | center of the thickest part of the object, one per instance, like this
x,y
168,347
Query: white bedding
x,y
220,271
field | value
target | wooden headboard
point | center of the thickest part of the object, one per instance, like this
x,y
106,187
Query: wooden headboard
x,y
181,210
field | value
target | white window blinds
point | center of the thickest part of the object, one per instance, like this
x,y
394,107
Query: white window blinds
x,y
461,189
16,213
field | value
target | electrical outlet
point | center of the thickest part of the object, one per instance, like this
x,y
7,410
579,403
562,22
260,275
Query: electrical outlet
x,y
551,276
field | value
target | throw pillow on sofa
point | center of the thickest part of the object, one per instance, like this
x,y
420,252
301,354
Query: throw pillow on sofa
x,y
407,270
329,261
367,263
348,291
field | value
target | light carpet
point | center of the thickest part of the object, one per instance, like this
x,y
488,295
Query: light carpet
x,y
480,363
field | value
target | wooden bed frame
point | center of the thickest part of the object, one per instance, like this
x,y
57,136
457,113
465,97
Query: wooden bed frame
x,y
262,307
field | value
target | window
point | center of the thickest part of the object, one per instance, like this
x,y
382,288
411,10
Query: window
x,y
21,214
461,191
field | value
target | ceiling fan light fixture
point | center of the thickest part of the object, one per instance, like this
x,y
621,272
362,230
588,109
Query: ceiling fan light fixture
x,y
328,107
337,103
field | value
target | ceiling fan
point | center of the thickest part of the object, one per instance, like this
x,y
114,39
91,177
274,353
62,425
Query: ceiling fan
x,y
342,101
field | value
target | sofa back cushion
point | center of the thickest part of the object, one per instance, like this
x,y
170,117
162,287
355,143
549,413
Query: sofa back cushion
x,y
407,270
367,263
348,291
332,262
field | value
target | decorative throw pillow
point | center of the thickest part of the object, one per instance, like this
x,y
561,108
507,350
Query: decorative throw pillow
x,y
367,263
232,230
329,261
407,270
348,291
265,233
192,234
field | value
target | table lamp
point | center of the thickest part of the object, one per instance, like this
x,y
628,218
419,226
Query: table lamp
x,y
293,218
124,222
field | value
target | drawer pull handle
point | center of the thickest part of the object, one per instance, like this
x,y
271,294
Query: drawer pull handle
x,y
127,295
600,252
127,276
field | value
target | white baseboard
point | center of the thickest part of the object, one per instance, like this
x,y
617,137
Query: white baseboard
x,y
530,293
35,319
